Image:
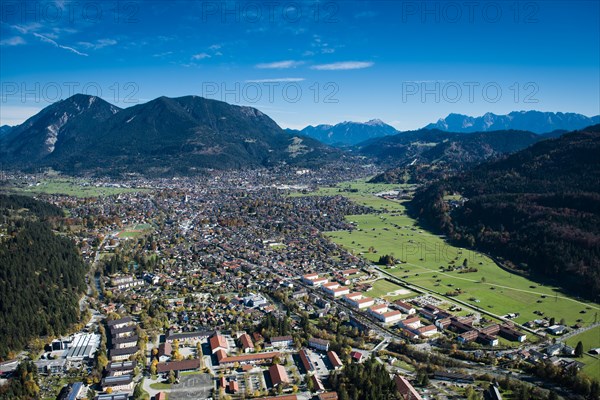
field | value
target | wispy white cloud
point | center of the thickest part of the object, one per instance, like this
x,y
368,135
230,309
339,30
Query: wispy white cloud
x,y
215,47
275,80
46,39
98,44
343,66
27,28
320,46
160,55
280,64
13,41
200,56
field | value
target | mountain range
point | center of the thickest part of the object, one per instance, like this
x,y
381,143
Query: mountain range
x,y
165,135
186,134
348,133
352,133
427,154
4,129
533,121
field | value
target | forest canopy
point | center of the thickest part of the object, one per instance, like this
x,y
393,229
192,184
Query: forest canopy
x,y
42,274
538,208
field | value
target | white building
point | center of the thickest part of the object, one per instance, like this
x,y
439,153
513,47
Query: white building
x,y
405,307
384,314
359,301
314,280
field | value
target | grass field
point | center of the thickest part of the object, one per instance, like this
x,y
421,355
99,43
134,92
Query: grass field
x,y
130,234
389,291
135,231
590,340
70,187
423,253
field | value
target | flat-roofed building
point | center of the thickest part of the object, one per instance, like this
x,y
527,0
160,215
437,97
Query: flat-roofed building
x,y
122,354
319,344
192,337
117,396
82,347
124,342
119,323
116,383
121,368
282,341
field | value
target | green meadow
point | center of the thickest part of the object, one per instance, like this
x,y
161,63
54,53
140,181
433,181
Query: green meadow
x,y
389,290
70,187
590,340
426,260
135,231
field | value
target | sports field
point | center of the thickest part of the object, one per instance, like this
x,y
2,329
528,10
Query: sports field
x,y
135,231
389,290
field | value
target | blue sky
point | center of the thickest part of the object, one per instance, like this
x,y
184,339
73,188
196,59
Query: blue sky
x,y
306,62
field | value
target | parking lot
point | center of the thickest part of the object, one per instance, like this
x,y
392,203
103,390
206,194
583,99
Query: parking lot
x,y
196,386
255,382
320,361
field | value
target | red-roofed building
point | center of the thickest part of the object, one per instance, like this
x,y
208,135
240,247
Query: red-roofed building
x,y
161,396
278,375
328,396
234,387
405,307
308,365
317,384
334,359
413,322
427,331
246,342
218,342
258,338
356,356
164,351
406,390
252,358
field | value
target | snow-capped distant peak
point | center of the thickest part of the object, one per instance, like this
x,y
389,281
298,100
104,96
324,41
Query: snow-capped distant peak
x,y
375,122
